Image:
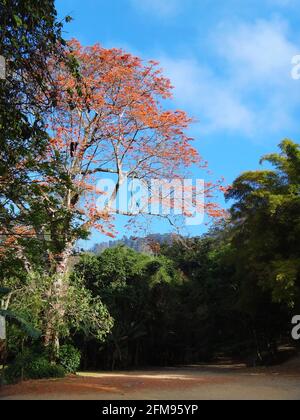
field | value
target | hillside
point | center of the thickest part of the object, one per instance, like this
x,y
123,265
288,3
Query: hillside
x,y
144,245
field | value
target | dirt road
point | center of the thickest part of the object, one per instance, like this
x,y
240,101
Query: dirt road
x,y
193,383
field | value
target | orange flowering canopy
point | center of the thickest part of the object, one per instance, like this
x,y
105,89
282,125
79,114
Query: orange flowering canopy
x,y
110,119
117,106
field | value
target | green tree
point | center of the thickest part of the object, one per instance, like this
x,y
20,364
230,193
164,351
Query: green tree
x,y
30,35
266,219
140,292
31,302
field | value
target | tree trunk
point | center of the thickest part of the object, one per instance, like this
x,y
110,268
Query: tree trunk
x,y
56,299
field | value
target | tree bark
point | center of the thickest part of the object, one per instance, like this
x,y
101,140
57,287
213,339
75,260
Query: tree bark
x,y
56,298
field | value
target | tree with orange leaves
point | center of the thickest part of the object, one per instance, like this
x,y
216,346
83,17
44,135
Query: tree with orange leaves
x,y
109,120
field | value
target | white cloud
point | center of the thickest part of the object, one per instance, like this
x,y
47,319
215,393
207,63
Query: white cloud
x,y
211,101
260,52
160,8
252,91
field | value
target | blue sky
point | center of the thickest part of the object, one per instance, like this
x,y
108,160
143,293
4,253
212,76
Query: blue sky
x,y
229,60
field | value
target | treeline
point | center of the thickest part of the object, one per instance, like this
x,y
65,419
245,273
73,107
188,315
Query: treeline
x,y
147,245
231,292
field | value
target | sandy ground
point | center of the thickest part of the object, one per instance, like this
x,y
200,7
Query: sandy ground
x,y
209,382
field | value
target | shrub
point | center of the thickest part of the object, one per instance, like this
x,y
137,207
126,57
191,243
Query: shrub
x,y
28,365
69,358
41,368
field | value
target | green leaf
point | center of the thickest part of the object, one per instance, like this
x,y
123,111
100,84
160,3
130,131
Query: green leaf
x,y
18,20
29,330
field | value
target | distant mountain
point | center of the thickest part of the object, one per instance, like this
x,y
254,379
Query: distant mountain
x,y
147,245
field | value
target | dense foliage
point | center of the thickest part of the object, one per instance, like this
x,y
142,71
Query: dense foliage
x,y
192,299
31,365
232,292
69,358
140,292
266,219
29,36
